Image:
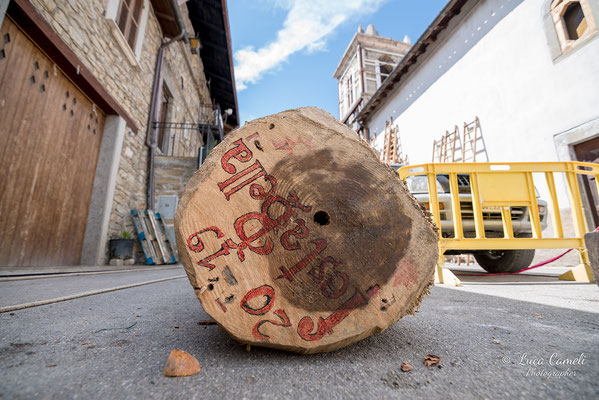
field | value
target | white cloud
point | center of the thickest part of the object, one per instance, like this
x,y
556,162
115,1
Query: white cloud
x,y
306,26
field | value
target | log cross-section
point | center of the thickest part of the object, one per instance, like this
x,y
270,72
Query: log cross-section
x,y
295,236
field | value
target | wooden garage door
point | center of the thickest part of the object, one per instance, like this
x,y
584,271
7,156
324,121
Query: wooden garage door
x,y
50,135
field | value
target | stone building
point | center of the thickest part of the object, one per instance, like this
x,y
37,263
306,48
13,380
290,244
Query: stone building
x,y
365,65
527,69
106,106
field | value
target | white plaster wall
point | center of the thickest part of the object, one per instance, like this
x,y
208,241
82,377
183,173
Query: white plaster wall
x,y
497,65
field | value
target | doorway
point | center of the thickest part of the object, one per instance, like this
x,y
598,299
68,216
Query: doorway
x,y
589,152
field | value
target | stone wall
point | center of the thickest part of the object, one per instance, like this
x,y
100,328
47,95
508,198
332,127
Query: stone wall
x,y
172,173
183,87
82,25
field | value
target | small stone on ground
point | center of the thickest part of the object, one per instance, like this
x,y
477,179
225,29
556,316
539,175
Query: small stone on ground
x,y
431,360
181,363
405,367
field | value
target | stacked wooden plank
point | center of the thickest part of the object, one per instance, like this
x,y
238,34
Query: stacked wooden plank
x,y
152,236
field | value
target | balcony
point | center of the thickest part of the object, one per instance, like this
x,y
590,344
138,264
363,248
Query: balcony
x,y
191,139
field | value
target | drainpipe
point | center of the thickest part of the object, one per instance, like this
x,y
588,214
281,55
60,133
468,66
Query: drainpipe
x,y
179,20
151,131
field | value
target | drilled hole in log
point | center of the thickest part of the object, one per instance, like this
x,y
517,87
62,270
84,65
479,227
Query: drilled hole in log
x,y
322,218
210,287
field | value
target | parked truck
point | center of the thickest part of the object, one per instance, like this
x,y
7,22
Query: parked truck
x,y
493,261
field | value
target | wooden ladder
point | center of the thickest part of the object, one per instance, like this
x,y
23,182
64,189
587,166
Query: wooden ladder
x,y
473,142
392,149
453,147
385,155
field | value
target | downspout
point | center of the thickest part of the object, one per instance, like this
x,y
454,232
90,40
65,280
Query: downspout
x,y
179,21
151,131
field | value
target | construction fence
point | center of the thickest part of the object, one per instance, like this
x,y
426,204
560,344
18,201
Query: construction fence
x,y
504,189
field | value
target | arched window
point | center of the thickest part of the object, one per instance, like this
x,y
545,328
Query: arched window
x,y
385,69
574,21
385,66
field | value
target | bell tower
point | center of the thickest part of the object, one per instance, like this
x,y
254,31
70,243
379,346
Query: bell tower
x,y
366,63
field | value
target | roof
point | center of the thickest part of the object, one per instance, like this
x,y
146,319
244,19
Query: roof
x,y
210,21
166,13
452,9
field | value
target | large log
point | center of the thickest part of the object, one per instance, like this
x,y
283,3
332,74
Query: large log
x,y
295,236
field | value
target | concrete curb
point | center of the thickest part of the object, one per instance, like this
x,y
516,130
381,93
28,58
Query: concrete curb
x,y
6,272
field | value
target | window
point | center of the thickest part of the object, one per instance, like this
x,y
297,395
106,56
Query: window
x,y
341,99
165,108
128,19
384,67
385,70
573,22
350,92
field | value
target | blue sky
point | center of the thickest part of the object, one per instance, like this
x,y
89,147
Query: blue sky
x,y
285,51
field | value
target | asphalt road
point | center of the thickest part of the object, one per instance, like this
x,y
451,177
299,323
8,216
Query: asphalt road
x,y
15,291
114,345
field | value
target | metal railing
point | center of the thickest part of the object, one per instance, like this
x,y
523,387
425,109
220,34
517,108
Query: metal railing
x,y
191,139
179,139
507,187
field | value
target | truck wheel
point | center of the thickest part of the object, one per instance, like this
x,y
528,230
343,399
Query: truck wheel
x,y
497,261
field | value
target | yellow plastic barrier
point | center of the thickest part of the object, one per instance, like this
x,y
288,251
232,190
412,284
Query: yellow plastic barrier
x,y
498,187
